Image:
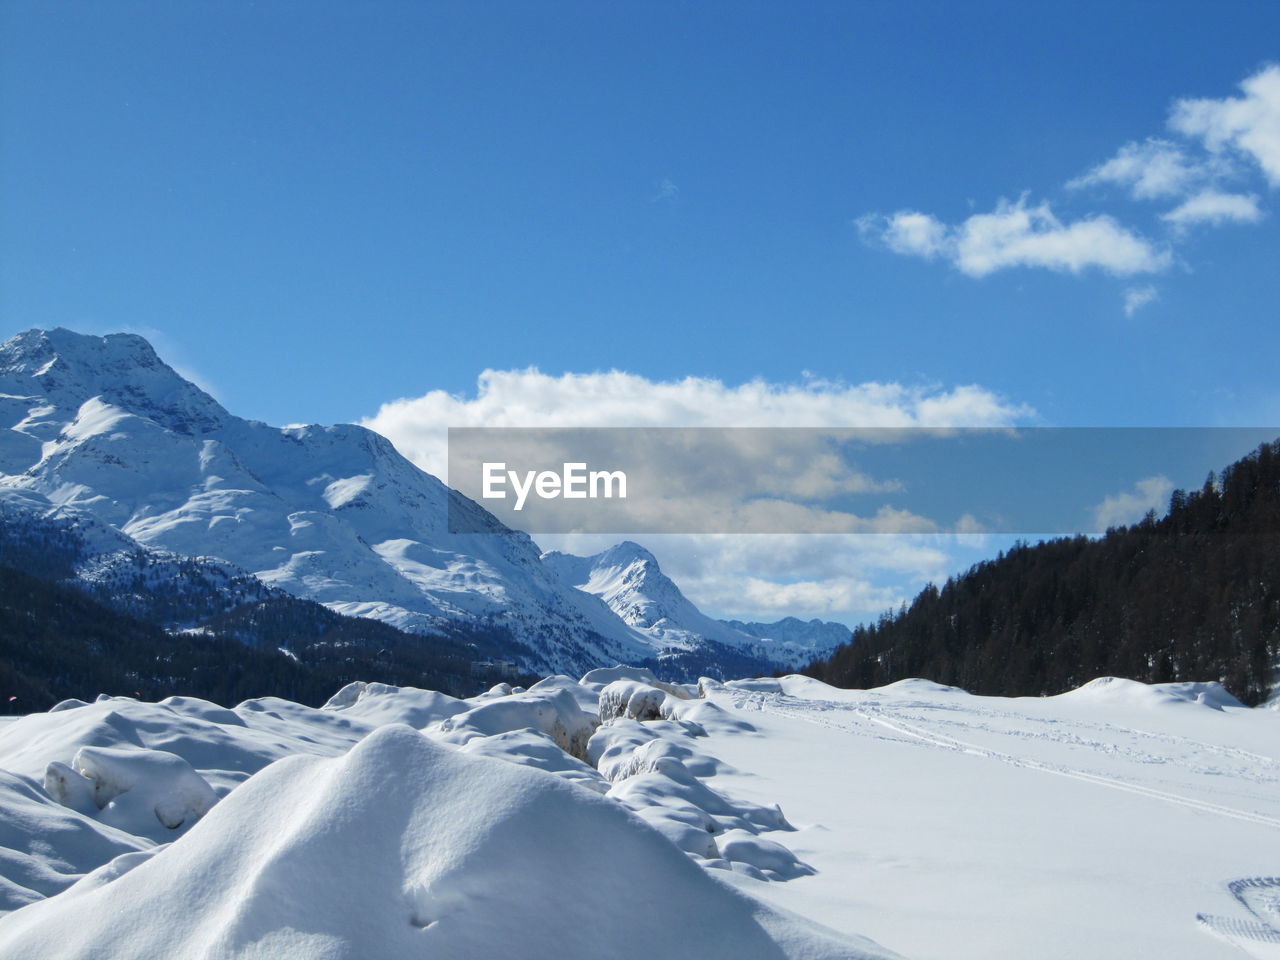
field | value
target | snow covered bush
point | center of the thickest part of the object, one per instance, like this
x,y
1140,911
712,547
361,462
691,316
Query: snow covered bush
x,y
555,713
635,700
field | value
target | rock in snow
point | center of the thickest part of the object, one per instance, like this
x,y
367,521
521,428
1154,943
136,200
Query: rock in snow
x,y
404,847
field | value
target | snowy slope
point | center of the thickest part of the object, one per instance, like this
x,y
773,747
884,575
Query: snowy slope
x,y
92,555
394,822
621,816
403,847
627,577
101,426
1119,820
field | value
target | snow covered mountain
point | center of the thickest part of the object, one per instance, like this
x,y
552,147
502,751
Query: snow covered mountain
x,y
627,577
808,638
101,430
101,427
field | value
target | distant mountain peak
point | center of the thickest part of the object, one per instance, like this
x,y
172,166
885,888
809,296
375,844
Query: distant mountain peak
x,y
627,551
629,579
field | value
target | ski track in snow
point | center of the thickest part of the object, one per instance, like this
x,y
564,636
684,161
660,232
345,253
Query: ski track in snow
x,y
1160,763
852,718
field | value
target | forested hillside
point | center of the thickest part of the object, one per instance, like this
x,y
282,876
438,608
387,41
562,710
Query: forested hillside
x,y
153,625
57,642
1192,596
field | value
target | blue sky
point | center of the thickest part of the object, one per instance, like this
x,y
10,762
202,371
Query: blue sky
x,y
324,206
321,207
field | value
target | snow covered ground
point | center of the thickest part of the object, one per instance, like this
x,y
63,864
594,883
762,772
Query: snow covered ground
x,y
1099,823
619,816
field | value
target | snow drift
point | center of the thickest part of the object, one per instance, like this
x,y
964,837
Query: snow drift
x,y
405,847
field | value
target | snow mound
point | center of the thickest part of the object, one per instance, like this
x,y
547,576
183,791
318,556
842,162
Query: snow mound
x,y
224,746
382,703
691,705
636,701
70,704
601,677
45,847
405,847
1118,690
915,686
606,675
769,858
532,749
626,747
555,713
587,696
203,710
695,817
148,793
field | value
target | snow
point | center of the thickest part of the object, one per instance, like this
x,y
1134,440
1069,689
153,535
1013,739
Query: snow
x,y
635,700
100,429
628,578
382,703
953,826
404,847
554,713
768,817
1130,692
601,676
148,793
45,846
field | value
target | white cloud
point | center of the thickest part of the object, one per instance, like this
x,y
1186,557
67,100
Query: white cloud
x,y
848,578
1153,168
1215,208
530,398
1016,235
1019,235
1135,298
918,234
666,190
825,598
1150,493
1249,125
1214,142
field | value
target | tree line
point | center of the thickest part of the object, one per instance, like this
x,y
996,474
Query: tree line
x,y
1194,595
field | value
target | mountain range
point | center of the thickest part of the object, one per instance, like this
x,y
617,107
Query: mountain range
x,y
101,433
627,578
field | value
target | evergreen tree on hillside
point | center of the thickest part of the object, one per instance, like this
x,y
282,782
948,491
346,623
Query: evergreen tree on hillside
x,y
1192,596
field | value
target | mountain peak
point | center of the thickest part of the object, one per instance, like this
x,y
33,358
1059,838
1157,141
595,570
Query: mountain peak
x,y
624,553
32,350
66,368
